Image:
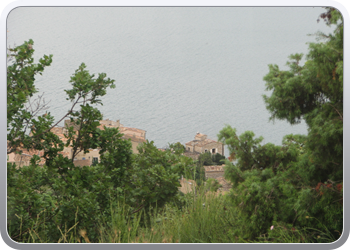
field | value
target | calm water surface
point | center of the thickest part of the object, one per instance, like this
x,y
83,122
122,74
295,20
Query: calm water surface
x,y
178,70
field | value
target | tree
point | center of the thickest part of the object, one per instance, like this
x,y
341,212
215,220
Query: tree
x,y
177,148
297,185
59,194
153,178
205,159
218,159
21,72
314,92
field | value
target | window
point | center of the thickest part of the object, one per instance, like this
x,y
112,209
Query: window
x,y
213,151
205,151
95,160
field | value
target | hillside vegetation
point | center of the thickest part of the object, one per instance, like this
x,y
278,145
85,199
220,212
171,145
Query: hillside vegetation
x,y
291,192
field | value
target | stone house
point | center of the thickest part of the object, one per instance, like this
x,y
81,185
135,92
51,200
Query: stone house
x,y
19,159
24,158
87,159
201,144
137,137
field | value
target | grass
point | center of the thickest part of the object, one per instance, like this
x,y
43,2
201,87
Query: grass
x,y
207,218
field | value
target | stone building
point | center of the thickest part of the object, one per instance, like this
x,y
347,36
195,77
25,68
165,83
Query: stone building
x,y
214,171
201,144
82,159
19,159
24,158
136,136
217,173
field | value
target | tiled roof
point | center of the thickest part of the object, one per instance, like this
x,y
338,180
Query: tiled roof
x,y
201,143
132,129
205,142
134,137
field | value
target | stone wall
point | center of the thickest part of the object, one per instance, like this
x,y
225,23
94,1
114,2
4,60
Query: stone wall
x,y
226,185
213,145
187,185
214,171
81,163
217,173
214,174
193,155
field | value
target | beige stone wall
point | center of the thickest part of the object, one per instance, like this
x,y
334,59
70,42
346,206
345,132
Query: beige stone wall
x,y
133,132
214,171
137,137
189,148
202,144
81,163
11,157
214,174
110,123
135,142
226,185
213,145
193,155
134,146
88,156
217,172
22,160
187,185
67,152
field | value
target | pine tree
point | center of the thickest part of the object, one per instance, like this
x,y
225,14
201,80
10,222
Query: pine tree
x,y
296,186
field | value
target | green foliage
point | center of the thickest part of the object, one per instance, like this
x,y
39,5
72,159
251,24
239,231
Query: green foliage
x,y
314,92
208,159
60,195
205,159
153,178
212,185
291,192
218,159
286,185
177,148
21,73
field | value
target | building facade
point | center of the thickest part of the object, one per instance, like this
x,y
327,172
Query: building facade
x,y
201,144
136,136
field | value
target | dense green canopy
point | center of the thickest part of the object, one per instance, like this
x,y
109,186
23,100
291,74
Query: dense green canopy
x,y
288,185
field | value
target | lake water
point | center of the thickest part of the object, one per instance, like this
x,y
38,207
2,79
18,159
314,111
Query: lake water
x,y
178,70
